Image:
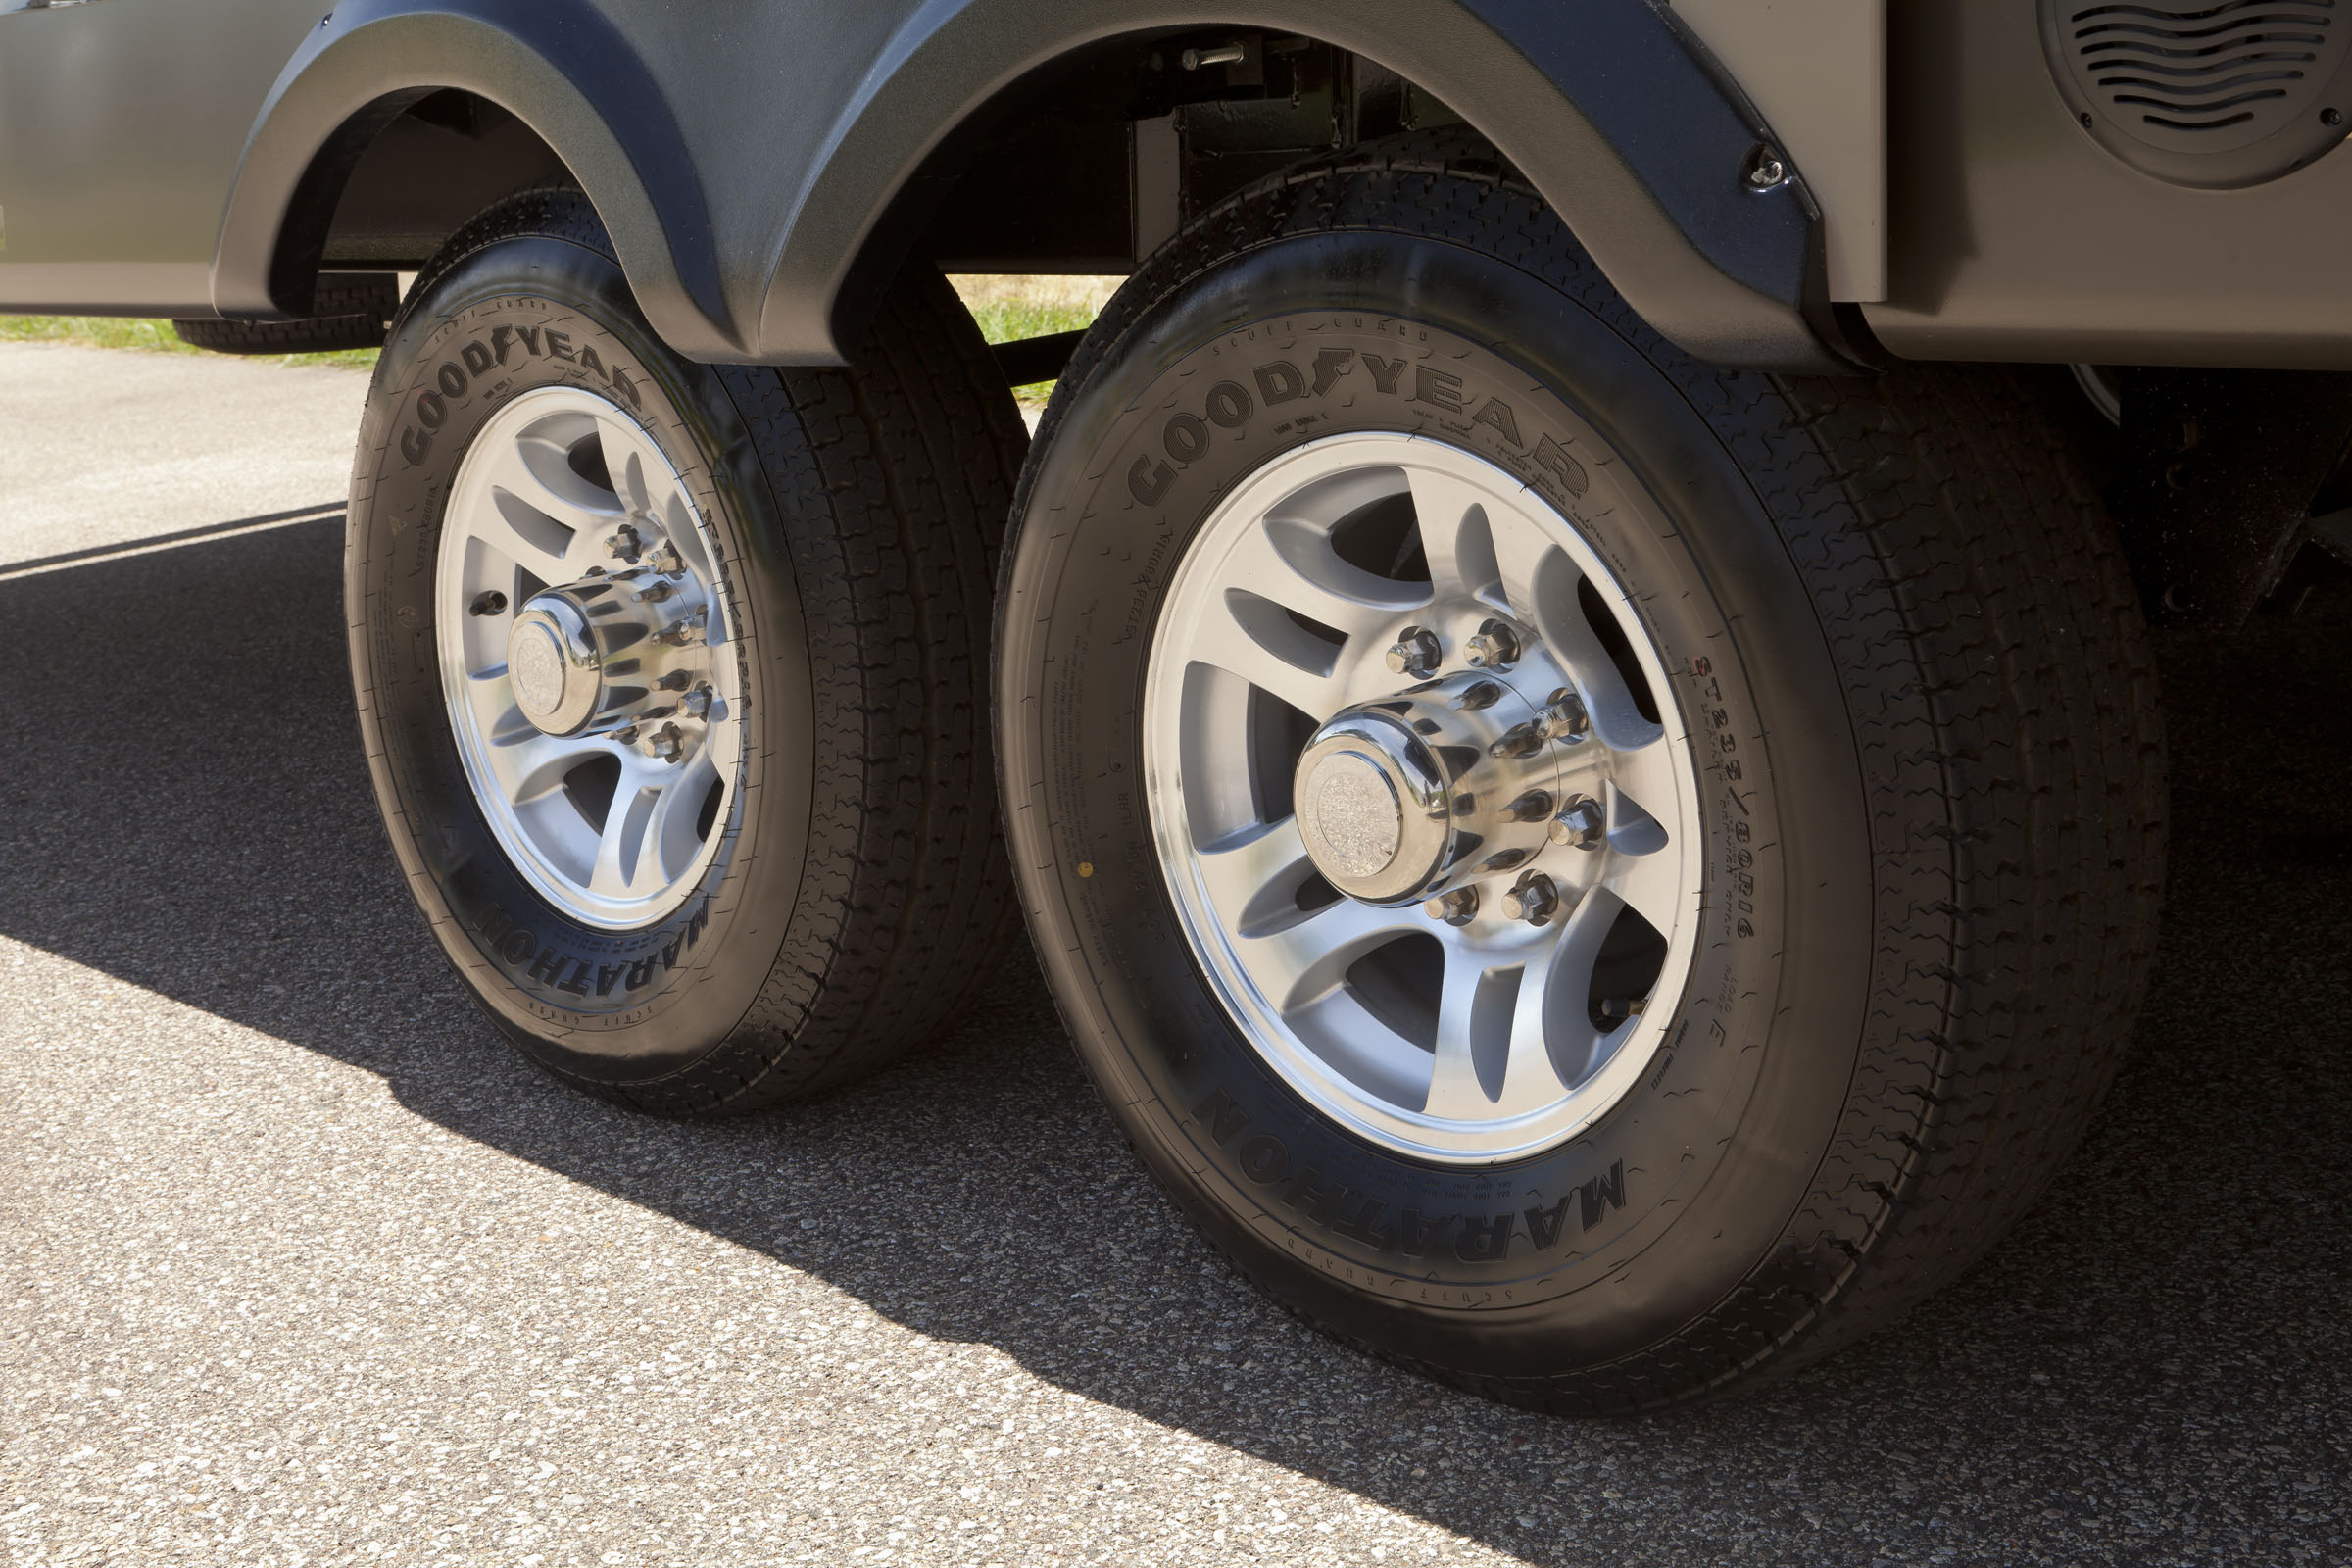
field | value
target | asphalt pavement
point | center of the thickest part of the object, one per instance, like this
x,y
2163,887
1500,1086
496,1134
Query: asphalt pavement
x,y
300,1264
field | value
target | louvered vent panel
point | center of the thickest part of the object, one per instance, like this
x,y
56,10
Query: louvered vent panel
x,y
2205,92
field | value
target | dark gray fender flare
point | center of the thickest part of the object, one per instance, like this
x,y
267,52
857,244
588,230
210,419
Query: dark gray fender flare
x,y
1622,120
563,68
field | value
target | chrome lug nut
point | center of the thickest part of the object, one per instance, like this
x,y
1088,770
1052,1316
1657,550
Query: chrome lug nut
x,y
697,703
1496,647
1532,807
1581,823
669,743
1531,899
1470,698
1458,908
667,560
1566,718
1520,740
1415,652
627,543
677,680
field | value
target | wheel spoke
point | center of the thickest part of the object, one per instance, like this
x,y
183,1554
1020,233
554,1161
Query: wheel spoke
x,y
1252,876
1296,964
1228,645
1645,775
544,518
629,463
1650,885
531,764
1457,536
1292,563
1552,1025
671,842
627,861
1471,1072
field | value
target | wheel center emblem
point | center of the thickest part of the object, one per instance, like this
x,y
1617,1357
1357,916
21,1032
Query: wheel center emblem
x,y
536,664
1353,811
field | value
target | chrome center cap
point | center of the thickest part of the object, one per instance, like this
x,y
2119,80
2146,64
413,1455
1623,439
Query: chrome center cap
x,y
552,663
1372,805
1404,797
1351,811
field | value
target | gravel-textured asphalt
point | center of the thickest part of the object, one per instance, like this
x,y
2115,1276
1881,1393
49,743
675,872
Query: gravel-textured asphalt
x,y
302,1267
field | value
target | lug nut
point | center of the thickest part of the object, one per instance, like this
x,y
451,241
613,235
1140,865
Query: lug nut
x,y
683,632
1581,823
1458,908
656,592
1415,652
1475,696
669,743
487,604
697,703
1496,647
1520,740
667,560
1566,718
675,681
1532,807
1531,899
626,543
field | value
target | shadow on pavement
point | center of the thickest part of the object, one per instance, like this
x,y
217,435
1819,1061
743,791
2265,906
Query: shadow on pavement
x,y
2157,1366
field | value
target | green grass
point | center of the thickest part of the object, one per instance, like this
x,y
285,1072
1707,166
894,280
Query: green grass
x,y
1008,307
149,336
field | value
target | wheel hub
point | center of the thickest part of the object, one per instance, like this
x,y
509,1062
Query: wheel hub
x,y
1404,798
607,652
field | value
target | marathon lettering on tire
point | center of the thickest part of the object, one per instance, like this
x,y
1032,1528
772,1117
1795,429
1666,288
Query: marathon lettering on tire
x,y
529,961
451,379
1187,435
1265,1159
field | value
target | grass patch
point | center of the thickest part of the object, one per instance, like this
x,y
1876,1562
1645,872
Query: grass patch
x,y
148,335
1008,307
1011,306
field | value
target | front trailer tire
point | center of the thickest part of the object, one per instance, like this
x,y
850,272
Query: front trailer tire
x,y
842,894
1907,662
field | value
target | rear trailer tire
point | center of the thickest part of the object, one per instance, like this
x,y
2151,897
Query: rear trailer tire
x,y
671,676
1841,686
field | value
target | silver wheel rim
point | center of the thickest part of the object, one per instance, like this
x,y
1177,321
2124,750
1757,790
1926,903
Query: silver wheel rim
x,y
581,632
1505,1058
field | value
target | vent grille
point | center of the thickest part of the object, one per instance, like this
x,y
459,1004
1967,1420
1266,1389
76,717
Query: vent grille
x,y
2204,92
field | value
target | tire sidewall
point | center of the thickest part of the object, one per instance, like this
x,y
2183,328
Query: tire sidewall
x,y
1650,1218
512,315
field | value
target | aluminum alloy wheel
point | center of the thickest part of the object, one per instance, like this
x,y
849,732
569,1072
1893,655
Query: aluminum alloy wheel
x,y
1429,1011
582,637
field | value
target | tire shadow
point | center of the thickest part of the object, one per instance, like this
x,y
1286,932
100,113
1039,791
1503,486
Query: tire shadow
x,y
2158,1364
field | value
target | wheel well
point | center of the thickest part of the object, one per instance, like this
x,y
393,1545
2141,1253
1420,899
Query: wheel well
x,y
398,178
1090,162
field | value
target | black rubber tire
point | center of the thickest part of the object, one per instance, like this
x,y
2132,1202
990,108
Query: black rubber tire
x,y
349,311
860,898
1900,633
